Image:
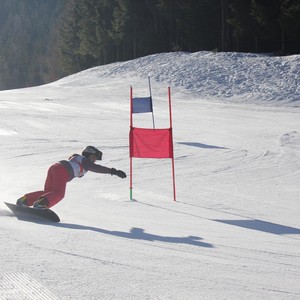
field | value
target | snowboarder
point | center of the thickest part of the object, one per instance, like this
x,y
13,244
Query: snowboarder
x,y
62,172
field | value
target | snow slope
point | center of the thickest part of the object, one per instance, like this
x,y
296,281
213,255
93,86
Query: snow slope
x,y
234,232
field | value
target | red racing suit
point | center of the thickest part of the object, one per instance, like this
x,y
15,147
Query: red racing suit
x,y
59,174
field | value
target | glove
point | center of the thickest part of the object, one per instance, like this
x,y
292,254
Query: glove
x,y
119,173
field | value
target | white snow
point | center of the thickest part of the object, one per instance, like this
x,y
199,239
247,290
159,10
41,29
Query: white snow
x,y
234,231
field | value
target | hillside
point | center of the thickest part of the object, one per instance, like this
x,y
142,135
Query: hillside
x,y
233,232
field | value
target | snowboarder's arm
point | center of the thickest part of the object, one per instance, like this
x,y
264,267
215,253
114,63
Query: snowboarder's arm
x,y
102,169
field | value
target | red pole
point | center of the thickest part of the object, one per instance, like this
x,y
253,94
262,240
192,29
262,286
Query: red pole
x,y
130,187
173,175
173,165
130,106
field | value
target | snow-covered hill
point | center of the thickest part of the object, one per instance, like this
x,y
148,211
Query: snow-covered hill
x,y
234,232
234,77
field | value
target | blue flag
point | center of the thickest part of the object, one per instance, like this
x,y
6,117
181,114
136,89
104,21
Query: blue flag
x,y
142,105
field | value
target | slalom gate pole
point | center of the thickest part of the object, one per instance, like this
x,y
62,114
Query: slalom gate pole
x,y
130,178
173,165
131,125
151,102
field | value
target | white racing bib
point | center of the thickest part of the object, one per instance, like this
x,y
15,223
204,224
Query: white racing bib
x,y
77,166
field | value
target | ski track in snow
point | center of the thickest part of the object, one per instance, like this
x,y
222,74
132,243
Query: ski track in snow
x,y
21,286
234,232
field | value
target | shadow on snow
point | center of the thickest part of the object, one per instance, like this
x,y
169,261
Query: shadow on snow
x,y
262,226
200,145
140,234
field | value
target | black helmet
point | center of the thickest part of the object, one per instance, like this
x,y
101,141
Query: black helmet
x,y
87,151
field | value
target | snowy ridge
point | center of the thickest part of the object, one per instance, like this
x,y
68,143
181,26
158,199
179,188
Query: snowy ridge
x,y
237,77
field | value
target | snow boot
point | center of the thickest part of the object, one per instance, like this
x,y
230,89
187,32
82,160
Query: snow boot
x,y
22,201
41,202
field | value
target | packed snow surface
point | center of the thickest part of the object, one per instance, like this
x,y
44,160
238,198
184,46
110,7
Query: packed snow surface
x,y
234,231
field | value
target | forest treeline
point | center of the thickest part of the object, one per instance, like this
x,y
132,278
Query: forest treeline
x,y
42,40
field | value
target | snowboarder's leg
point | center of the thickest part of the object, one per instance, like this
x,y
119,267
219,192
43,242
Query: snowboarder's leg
x,y
30,198
54,189
55,185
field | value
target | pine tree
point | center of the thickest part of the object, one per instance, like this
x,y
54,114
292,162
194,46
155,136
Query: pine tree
x,y
266,15
290,23
69,41
118,28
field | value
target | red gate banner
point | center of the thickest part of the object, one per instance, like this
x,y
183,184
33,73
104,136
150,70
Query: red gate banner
x,y
151,143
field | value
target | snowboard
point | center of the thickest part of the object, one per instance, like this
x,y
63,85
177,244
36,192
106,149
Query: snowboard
x,y
30,213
